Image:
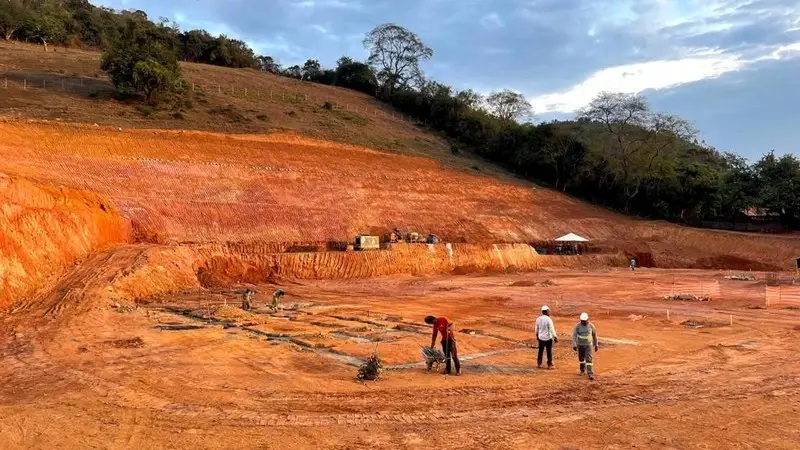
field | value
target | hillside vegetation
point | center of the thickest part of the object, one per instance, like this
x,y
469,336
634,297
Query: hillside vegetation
x,y
68,85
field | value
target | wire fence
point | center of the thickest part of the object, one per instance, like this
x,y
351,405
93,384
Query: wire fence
x,y
94,87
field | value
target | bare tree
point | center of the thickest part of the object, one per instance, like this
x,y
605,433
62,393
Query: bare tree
x,y
509,105
639,137
396,53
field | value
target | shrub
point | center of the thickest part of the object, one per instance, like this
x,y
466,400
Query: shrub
x,y
328,105
146,111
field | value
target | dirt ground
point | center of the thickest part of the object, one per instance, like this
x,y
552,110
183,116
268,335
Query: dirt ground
x,y
193,370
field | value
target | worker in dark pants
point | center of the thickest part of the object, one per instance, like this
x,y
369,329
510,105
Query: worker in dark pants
x,y
545,333
444,327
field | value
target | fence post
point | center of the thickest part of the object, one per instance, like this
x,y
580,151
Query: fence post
x,y
219,89
233,90
245,92
63,85
667,314
5,83
44,84
81,81
24,84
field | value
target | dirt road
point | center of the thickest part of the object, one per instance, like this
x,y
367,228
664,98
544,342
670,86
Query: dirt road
x,y
79,373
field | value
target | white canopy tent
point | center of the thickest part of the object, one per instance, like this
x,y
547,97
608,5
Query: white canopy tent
x,y
572,237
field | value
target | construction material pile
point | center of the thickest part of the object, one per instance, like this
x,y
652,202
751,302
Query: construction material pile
x,y
741,277
371,369
688,297
432,356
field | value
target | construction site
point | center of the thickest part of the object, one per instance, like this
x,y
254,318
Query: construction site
x,y
170,288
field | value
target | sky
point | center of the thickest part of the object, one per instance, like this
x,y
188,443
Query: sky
x,y
730,66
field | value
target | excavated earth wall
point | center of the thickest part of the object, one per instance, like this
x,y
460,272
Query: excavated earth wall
x,y
43,230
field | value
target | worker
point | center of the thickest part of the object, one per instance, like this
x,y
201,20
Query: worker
x,y
276,298
444,327
584,337
247,299
633,264
545,332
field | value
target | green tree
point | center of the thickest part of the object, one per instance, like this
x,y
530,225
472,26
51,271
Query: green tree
x,y
396,54
636,140
47,21
779,186
355,75
143,60
311,69
470,99
13,17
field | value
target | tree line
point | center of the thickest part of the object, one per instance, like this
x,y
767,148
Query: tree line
x,y
617,152
78,23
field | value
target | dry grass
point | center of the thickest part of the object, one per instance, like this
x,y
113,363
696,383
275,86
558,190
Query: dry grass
x,y
68,85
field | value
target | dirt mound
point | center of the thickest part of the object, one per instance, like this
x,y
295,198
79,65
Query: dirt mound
x,y
45,229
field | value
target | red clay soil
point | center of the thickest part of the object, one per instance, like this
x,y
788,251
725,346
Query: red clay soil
x,y
44,229
79,371
198,187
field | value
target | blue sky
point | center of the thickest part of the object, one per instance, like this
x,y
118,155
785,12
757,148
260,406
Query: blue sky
x,y
730,66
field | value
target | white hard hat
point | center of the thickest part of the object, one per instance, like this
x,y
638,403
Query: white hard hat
x,y
545,308
584,316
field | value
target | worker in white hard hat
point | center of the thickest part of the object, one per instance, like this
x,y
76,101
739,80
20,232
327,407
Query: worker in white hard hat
x,y
584,338
545,333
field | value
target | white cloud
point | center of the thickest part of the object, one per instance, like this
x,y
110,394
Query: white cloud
x,y
492,21
324,31
634,78
699,65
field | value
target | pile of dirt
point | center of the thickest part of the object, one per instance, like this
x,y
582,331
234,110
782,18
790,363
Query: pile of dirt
x,y
229,313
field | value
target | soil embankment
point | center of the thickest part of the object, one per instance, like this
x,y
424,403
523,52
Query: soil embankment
x,y
45,229
218,209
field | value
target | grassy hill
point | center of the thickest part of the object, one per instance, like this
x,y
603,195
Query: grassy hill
x,y
68,85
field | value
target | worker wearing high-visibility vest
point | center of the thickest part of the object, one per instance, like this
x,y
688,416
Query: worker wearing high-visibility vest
x,y
584,339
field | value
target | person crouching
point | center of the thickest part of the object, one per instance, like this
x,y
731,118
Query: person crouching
x,y
444,327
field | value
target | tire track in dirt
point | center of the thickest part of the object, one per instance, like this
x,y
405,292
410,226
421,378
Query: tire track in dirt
x,y
531,407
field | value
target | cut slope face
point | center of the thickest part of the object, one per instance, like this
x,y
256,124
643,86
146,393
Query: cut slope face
x,y
198,187
43,229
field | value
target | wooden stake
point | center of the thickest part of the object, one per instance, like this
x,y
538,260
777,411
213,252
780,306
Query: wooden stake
x,y
667,314
24,84
731,319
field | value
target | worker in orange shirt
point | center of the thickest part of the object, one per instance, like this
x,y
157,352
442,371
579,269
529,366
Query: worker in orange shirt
x,y
444,327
